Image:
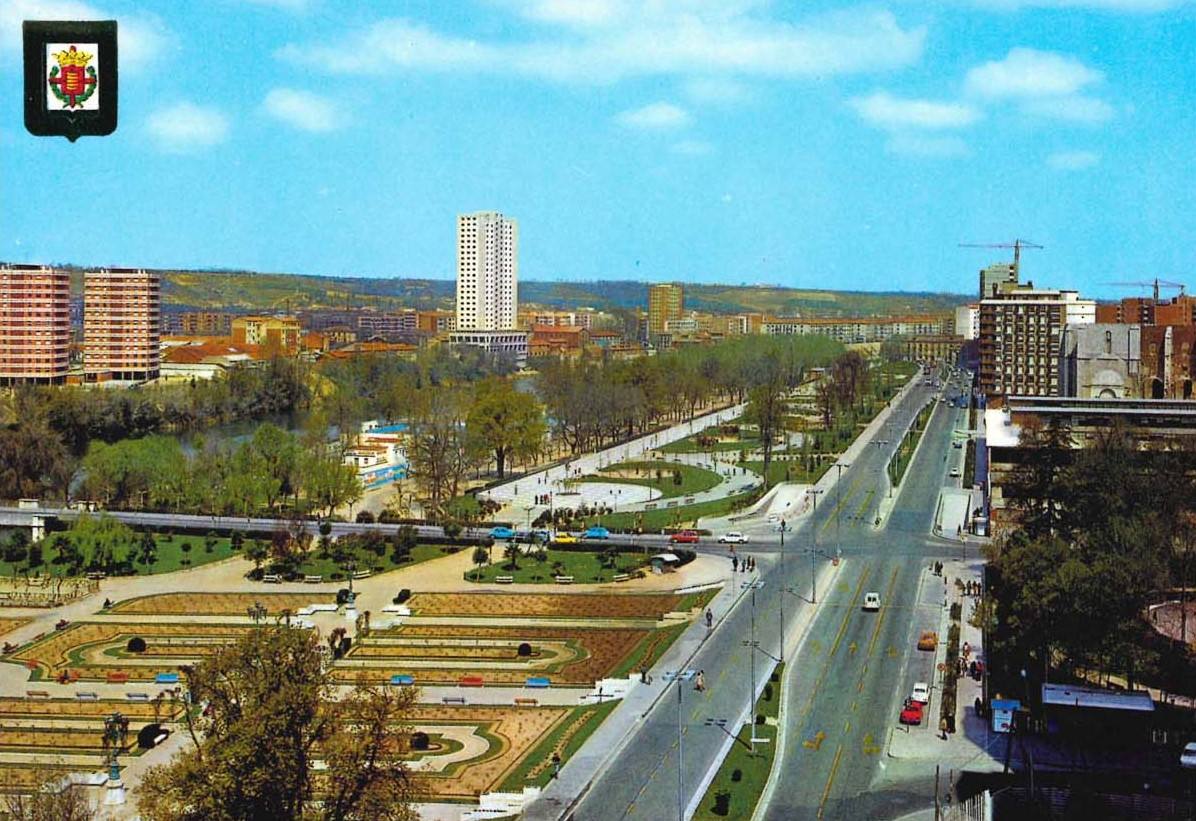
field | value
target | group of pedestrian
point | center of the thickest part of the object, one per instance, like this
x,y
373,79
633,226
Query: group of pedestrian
x,y
542,498
971,588
747,564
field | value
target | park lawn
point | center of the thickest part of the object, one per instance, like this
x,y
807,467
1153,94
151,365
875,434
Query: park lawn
x,y
909,444
732,797
901,368
693,479
690,445
584,566
170,557
315,565
797,471
654,521
648,652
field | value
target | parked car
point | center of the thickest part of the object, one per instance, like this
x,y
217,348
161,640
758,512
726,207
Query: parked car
x,y
921,693
955,474
911,713
685,537
1187,759
565,538
871,601
928,640
596,532
733,537
502,532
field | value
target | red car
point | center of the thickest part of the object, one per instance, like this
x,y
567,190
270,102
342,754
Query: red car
x,y
911,713
684,537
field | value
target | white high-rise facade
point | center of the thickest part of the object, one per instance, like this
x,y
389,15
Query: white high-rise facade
x,y
487,272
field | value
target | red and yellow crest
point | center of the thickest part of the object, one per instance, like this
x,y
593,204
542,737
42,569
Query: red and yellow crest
x,y
73,81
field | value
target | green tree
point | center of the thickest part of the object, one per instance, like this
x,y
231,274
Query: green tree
x,y
148,550
505,422
273,712
766,409
511,554
480,557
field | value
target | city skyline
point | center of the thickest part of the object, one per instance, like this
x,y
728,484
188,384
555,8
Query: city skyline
x,y
792,148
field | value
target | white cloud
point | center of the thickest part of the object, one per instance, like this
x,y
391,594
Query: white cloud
x,y
1026,72
303,109
693,148
139,38
1076,109
1073,160
914,145
185,127
654,117
689,38
886,111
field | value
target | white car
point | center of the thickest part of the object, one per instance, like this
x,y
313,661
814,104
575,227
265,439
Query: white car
x,y
871,601
955,473
773,518
921,693
732,538
1187,759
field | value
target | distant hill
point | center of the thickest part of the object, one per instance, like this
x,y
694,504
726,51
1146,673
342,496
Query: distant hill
x,y
244,291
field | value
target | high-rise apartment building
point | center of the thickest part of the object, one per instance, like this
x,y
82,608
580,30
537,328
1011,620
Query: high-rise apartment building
x,y
998,278
1021,339
277,335
967,321
665,302
35,324
121,325
487,272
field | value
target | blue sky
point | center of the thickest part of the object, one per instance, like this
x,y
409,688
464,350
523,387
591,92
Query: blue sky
x,y
807,144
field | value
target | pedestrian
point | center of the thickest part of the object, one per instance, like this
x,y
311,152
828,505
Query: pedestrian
x,y
943,729
734,565
556,764
643,675
978,706
700,686
709,618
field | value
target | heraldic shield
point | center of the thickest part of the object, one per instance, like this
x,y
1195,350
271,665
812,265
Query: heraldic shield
x,y
70,78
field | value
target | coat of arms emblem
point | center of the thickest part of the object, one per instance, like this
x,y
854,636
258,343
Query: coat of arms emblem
x,y
70,78
73,80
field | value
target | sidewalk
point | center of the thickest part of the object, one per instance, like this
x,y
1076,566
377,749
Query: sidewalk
x,y
973,745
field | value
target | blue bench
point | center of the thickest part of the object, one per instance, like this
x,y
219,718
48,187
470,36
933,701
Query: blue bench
x,y
539,682
403,680
167,678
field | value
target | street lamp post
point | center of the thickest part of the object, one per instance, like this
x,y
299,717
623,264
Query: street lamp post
x,y
679,676
813,549
751,645
839,466
781,653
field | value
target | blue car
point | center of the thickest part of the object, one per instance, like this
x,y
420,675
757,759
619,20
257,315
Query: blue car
x,y
596,532
502,533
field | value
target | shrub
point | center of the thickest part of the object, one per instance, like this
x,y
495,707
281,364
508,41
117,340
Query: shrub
x,y
722,803
365,517
767,694
759,719
342,595
185,547
419,740
525,649
404,594
136,645
736,775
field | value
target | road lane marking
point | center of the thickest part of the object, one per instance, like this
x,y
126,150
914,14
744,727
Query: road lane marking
x,y
870,745
880,619
814,743
830,780
851,648
826,666
846,727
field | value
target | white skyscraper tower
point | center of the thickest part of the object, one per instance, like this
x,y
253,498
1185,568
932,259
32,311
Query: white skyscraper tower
x,y
487,271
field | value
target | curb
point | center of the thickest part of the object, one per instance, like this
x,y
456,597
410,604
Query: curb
x,y
896,491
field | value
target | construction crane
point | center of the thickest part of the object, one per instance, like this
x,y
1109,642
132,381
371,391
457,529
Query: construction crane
x,y
1153,284
1017,245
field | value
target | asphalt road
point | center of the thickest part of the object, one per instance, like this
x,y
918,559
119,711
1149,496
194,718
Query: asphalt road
x,y
849,658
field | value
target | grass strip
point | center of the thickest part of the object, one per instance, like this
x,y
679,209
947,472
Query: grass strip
x,y
909,443
741,779
566,738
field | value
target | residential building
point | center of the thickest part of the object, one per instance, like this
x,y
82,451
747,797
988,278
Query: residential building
x,y
379,454
198,323
1168,361
277,335
606,338
967,321
388,325
320,319
122,325
206,360
1179,311
553,340
862,329
1101,361
436,322
374,347
998,278
1020,337
665,302
1133,310
532,319
934,348
35,324
681,326
487,272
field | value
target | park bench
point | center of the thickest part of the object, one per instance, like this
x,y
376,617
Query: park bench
x,y
504,579
36,694
160,737
453,699
523,701
117,677
313,579
363,574
95,574
87,696
272,578
471,681
564,579
539,682
402,680
621,577
137,696
167,678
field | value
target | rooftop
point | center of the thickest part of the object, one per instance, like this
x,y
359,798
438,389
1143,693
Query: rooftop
x,y
1069,695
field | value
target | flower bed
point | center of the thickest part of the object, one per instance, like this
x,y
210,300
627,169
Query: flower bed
x,y
551,605
217,604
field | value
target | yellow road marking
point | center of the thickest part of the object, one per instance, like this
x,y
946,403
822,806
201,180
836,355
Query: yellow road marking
x,y
844,587
814,743
846,727
851,648
880,619
830,780
892,652
870,745
631,809
826,666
